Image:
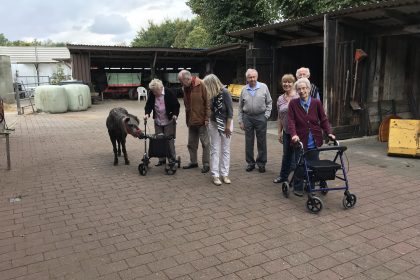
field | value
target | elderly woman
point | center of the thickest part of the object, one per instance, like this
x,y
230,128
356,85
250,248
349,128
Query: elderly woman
x,y
165,107
220,129
307,120
288,161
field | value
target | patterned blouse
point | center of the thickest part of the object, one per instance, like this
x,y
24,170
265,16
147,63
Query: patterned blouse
x,y
283,108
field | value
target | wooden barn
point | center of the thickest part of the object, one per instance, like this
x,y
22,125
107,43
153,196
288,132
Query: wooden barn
x,y
358,91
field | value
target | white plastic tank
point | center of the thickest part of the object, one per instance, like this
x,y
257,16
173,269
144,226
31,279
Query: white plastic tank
x,y
78,97
51,99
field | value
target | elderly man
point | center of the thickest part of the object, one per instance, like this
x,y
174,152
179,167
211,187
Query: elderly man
x,y
254,110
197,110
304,72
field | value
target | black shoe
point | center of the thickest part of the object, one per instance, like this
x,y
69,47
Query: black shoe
x,y
190,165
205,169
298,193
279,180
261,169
160,163
250,167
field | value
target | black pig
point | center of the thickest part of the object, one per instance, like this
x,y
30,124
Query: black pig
x,y
120,123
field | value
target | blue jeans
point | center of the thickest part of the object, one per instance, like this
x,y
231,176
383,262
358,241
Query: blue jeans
x,y
289,160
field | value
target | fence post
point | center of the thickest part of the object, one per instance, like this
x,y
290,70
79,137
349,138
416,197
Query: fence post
x,y
17,96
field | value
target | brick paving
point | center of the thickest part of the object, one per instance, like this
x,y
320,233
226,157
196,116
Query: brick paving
x,y
80,217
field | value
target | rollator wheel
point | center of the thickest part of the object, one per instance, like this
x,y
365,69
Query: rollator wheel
x,y
170,171
349,200
142,169
314,204
323,185
179,161
285,189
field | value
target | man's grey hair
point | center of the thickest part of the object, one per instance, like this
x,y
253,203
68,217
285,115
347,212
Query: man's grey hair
x,y
304,81
155,84
249,71
303,69
184,74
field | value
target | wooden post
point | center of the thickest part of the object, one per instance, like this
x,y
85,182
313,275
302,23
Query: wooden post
x,y
325,66
8,151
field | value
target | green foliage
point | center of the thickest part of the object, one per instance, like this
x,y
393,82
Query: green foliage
x,y
300,8
198,38
172,34
3,40
58,75
19,43
222,16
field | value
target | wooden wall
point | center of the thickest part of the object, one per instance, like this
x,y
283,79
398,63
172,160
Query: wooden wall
x,y
386,81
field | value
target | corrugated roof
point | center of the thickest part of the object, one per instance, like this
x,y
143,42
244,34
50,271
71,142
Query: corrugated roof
x,y
364,12
35,54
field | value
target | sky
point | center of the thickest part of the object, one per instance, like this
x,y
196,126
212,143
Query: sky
x,y
93,22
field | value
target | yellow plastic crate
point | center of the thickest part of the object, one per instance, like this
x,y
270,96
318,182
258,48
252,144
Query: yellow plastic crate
x,y
404,137
235,90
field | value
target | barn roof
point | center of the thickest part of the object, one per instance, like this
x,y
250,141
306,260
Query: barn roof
x,y
395,17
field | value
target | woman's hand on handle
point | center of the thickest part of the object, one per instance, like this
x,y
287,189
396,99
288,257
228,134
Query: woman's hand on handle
x,y
281,138
295,139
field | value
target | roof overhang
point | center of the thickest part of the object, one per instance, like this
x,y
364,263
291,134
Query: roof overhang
x,y
387,18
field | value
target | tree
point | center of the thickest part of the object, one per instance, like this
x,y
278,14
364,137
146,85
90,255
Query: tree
x,y
197,38
172,33
162,35
3,40
222,16
19,43
58,75
300,8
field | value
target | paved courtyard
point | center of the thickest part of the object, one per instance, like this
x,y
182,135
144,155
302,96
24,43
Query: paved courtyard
x,y
67,213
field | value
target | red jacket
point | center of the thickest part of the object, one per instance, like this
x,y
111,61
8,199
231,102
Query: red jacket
x,y
300,122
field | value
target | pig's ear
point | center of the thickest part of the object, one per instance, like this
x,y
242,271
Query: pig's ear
x,y
126,119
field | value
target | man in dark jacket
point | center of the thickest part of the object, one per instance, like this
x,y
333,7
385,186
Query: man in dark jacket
x,y
165,107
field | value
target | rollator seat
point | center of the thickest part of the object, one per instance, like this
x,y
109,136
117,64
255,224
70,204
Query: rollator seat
x,y
324,169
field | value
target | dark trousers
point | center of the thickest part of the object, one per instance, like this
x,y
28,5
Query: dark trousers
x,y
300,170
196,134
168,130
255,126
289,160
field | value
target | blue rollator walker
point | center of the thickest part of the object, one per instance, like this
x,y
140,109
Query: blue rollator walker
x,y
158,147
312,173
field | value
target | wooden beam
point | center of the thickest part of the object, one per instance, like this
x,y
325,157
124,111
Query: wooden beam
x,y
401,17
281,34
311,28
402,30
300,42
360,24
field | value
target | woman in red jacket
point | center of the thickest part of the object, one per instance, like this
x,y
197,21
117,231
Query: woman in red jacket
x,y
307,121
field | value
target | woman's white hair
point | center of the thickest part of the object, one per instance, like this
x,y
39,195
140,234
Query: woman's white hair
x,y
304,81
155,84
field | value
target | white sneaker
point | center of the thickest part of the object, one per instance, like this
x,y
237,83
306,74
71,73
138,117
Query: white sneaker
x,y
226,180
216,181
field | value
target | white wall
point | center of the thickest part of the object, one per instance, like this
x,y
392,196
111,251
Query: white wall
x,y
44,69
